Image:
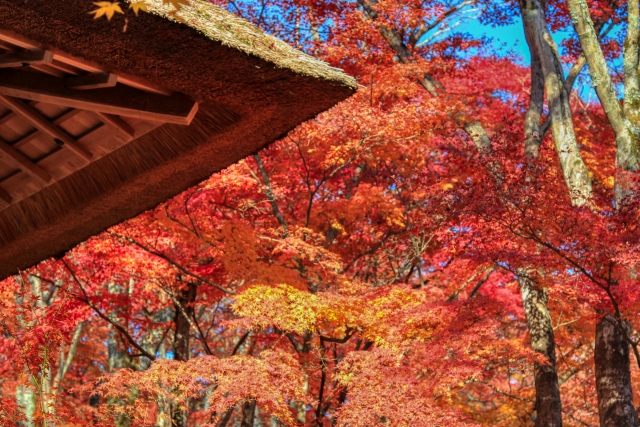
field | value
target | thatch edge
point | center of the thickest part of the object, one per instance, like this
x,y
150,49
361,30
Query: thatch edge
x,y
222,26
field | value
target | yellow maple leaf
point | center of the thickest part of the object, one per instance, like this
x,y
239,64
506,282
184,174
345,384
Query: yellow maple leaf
x,y
106,8
138,6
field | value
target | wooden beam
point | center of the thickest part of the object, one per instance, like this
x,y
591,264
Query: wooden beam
x,y
65,67
91,81
21,161
25,139
94,67
117,122
119,100
83,64
44,125
47,69
18,59
18,40
7,46
143,84
68,115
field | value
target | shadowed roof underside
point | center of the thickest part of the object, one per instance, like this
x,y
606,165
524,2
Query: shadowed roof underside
x,y
98,125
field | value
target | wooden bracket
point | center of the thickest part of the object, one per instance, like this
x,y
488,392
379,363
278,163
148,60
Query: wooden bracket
x,y
91,81
18,59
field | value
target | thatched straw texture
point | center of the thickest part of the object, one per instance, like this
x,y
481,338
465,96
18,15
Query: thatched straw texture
x,y
232,31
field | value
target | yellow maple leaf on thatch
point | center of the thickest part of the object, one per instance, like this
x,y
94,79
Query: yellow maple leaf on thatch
x,y
138,6
106,8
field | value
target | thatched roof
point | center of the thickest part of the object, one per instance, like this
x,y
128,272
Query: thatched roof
x,y
191,98
232,31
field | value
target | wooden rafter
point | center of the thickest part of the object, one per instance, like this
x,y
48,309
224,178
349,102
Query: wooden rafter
x,y
118,100
18,59
83,64
80,86
25,139
18,40
117,123
92,67
91,81
48,69
21,161
45,125
64,67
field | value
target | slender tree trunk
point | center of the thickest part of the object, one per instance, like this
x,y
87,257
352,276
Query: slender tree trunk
x,y
26,401
248,413
118,359
538,36
548,405
613,378
613,375
532,135
181,348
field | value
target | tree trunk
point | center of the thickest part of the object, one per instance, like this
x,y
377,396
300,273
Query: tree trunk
x,y
26,401
542,45
182,333
181,350
548,405
532,137
248,413
118,359
613,375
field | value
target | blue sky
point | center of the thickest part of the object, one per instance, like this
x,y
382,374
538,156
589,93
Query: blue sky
x,y
510,38
506,38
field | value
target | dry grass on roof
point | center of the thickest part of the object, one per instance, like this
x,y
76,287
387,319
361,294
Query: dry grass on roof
x,y
223,26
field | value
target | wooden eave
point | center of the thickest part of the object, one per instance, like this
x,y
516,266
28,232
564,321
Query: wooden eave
x,y
97,125
59,113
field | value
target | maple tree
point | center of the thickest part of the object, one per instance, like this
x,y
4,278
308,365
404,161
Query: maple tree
x,y
456,244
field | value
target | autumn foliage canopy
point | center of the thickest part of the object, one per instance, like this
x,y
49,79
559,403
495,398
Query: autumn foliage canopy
x,y
455,245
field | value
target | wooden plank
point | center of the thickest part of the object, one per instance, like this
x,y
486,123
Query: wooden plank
x,y
21,161
91,81
45,126
119,100
117,122
31,57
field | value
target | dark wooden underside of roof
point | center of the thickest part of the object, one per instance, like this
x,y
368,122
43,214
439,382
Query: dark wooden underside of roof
x,y
245,103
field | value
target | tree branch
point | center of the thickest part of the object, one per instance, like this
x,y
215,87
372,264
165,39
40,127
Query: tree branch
x,y
123,332
170,261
